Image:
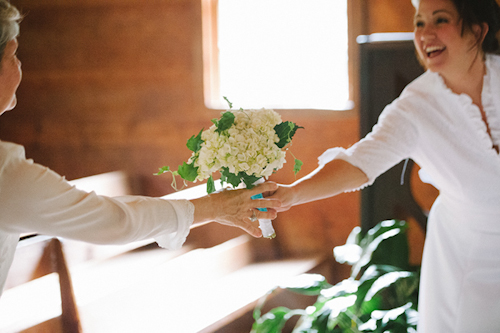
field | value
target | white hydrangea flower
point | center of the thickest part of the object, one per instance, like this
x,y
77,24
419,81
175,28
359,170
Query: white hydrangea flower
x,y
248,146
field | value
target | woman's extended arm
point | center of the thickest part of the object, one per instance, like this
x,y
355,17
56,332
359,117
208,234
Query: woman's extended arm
x,y
34,198
326,181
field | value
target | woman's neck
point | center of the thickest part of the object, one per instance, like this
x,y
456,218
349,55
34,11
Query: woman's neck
x,y
468,82
471,83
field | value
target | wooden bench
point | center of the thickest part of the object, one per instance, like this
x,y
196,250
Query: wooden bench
x,y
142,291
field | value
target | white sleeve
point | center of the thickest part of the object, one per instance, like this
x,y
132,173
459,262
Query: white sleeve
x,y
34,198
391,140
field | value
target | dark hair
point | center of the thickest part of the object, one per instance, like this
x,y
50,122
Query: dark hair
x,y
477,12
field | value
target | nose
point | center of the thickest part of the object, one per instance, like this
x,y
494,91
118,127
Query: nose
x,y
427,32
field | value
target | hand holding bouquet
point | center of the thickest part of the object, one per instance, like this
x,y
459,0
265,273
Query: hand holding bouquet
x,y
244,146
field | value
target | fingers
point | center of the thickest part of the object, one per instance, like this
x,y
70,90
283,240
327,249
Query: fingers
x,y
266,203
270,214
256,214
253,217
264,187
252,230
236,208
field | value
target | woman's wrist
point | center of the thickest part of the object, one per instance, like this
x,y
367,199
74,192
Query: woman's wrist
x,y
203,210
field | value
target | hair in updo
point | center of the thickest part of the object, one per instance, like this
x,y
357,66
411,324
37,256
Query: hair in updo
x,y
481,11
9,24
476,12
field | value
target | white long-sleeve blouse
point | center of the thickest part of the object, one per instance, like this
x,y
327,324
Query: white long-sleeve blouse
x,y
445,135
34,198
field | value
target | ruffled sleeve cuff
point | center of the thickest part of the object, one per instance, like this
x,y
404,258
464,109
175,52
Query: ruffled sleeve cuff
x,y
339,153
185,216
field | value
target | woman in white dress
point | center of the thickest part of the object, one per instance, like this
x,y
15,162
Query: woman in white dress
x,y
447,121
36,199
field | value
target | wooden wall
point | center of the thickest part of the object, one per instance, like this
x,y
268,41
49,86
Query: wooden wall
x,y
117,85
389,15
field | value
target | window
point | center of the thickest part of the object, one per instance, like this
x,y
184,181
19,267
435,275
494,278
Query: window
x,y
288,54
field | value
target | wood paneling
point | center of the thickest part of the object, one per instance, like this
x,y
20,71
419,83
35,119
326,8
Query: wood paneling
x,y
389,15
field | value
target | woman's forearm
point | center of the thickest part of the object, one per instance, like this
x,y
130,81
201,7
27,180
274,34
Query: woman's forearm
x,y
333,178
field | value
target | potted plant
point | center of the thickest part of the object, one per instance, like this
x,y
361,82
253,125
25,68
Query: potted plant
x,y
381,295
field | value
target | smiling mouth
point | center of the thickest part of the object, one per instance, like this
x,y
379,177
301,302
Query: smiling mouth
x,y
434,51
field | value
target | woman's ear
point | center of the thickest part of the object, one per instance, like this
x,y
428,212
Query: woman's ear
x,y
480,31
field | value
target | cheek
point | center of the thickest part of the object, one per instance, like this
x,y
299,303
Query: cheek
x,y
16,78
418,48
452,36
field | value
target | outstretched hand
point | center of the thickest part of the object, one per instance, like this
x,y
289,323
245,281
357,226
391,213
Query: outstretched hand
x,y
284,194
236,208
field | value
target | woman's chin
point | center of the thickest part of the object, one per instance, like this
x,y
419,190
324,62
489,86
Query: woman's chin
x,y
11,106
7,109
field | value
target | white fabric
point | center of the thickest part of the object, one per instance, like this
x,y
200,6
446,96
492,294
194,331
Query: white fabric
x,y
36,199
443,132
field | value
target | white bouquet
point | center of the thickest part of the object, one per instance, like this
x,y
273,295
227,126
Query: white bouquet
x,y
244,146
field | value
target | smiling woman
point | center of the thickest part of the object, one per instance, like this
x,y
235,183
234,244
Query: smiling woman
x,y
447,121
444,44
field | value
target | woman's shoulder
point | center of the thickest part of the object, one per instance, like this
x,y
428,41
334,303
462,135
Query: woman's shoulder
x,y
10,150
426,83
493,64
424,90
493,59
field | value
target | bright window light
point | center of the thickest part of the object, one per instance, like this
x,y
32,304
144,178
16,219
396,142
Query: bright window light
x,y
288,54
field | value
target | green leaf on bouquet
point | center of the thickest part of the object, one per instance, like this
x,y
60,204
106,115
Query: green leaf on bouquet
x,y
188,171
194,143
230,178
248,180
285,131
297,166
225,122
210,185
236,179
163,170
228,102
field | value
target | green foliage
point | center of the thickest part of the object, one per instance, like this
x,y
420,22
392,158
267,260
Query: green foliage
x,y
194,143
285,131
380,296
188,172
297,166
163,170
307,284
235,180
228,102
225,122
210,185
